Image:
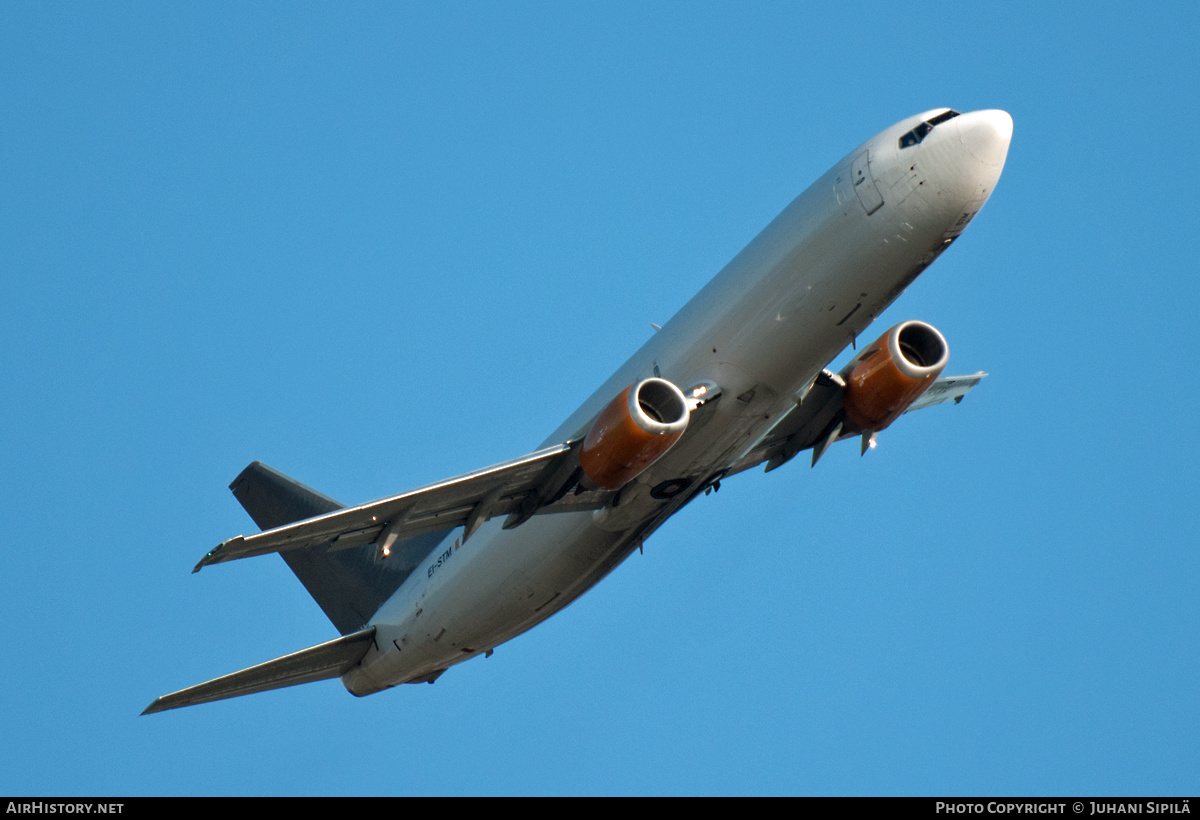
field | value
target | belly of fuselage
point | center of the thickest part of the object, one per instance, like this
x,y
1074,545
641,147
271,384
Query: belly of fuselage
x,y
468,598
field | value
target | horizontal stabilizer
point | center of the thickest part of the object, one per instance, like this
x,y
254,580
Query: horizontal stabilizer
x,y
328,660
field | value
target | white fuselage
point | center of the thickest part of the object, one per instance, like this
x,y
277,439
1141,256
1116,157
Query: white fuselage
x,y
760,331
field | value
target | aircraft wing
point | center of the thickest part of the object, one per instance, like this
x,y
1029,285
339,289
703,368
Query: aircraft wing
x,y
946,389
518,488
808,423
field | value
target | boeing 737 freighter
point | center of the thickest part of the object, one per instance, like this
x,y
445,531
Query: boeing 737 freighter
x,y
421,581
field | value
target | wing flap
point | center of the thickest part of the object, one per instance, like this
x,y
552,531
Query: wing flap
x,y
470,498
328,660
800,428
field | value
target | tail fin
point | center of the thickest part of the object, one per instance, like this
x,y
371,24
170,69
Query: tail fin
x,y
273,499
349,585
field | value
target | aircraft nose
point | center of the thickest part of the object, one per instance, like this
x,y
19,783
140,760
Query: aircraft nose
x,y
986,135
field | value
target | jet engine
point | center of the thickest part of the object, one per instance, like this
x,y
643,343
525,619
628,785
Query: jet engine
x,y
891,373
632,432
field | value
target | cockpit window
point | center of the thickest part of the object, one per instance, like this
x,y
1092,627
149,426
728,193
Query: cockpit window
x,y
916,135
921,131
942,117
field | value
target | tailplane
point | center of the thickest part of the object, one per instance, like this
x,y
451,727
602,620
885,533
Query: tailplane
x,y
321,662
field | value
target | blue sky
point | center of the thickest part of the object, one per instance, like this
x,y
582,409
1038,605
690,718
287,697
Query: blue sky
x,y
378,245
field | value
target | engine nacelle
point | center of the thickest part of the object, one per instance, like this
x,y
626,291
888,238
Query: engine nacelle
x,y
632,432
892,373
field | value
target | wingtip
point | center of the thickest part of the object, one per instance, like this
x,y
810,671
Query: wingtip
x,y
208,558
211,557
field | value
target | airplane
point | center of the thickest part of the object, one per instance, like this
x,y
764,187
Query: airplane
x,y
740,377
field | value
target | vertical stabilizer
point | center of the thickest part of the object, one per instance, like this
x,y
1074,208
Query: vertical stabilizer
x,y
349,585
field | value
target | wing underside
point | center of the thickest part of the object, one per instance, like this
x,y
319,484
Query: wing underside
x,y
516,488
810,424
537,482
